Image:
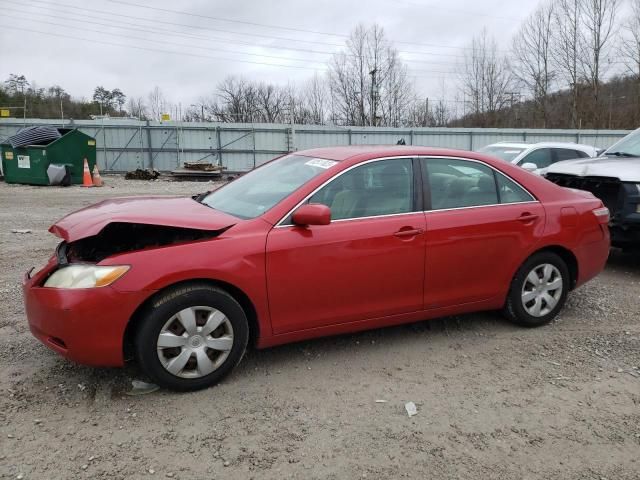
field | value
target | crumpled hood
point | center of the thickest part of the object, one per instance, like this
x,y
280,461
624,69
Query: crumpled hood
x,y
625,169
183,212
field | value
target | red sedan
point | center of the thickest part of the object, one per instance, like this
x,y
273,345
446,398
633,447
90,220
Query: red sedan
x,y
319,242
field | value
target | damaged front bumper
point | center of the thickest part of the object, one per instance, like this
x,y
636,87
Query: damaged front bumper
x,y
621,198
83,325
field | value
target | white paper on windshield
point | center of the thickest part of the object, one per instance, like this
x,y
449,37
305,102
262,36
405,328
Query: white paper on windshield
x,y
321,163
512,151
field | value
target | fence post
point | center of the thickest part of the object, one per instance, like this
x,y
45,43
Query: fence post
x,y
219,141
411,137
349,136
524,136
253,140
470,140
149,146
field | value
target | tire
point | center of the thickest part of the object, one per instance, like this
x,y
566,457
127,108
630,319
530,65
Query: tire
x,y
532,301
204,336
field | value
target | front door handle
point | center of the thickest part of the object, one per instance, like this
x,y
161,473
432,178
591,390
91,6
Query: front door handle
x,y
409,232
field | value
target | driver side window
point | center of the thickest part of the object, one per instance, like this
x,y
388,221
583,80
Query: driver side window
x,y
377,188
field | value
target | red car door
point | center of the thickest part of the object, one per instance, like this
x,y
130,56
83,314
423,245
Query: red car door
x,y
480,226
367,263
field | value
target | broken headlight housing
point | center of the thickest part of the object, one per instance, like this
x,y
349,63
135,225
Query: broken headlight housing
x,y
85,276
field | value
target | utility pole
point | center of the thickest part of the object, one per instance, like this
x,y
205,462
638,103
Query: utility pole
x,y
374,89
426,112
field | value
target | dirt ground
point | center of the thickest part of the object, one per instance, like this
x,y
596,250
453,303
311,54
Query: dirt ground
x,y
494,401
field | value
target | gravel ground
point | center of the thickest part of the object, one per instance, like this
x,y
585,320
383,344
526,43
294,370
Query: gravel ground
x,y
494,401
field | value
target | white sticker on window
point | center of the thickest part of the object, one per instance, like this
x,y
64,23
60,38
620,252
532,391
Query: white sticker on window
x,y
24,161
321,163
512,151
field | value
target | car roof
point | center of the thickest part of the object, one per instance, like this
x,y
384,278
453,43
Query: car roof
x,y
364,152
568,145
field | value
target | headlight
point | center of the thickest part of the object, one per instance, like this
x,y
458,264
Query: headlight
x,y
85,276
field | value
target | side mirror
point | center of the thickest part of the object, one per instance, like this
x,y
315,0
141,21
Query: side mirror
x,y
530,167
312,214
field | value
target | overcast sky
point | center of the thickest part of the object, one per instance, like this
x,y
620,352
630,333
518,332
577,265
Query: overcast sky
x,y
127,44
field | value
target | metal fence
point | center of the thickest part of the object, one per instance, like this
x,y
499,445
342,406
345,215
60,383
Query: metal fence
x,y
125,145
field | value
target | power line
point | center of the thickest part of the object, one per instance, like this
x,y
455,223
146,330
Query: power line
x,y
57,6
135,26
162,41
137,47
221,19
157,49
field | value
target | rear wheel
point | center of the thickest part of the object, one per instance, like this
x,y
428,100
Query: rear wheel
x,y
538,290
191,337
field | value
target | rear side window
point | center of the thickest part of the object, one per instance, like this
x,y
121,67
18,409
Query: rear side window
x,y
510,191
456,183
581,154
566,154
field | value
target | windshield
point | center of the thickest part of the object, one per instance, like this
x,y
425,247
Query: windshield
x,y
504,152
256,192
629,146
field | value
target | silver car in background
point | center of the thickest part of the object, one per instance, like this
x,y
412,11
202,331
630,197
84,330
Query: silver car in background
x,y
537,157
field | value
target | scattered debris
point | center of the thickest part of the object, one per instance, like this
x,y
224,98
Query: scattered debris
x,y
554,363
201,166
381,401
198,171
140,174
411,409
82,387
142,388
20,230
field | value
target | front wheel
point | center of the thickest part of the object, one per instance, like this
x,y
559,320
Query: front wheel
x,y
191,337
538,290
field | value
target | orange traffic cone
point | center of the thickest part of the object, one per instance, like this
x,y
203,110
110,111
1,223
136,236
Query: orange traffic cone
x,y
97,179
86,175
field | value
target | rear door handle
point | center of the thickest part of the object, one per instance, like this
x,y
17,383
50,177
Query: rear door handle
x,y
412,232
527,217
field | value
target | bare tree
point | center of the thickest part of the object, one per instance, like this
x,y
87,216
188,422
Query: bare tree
x,y
367,81
568,48
137,108
631,50
271,102
599,20
486,79
533,66
157,103
235,100
315,99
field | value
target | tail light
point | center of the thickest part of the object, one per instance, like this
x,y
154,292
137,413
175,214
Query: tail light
x,y
602,214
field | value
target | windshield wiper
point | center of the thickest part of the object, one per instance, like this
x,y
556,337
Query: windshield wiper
x,y
621,154
199,197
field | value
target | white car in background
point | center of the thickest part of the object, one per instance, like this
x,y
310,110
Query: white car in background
x,y
536,157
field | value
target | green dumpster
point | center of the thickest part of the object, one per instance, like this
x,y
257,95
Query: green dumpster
x,y
28,165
